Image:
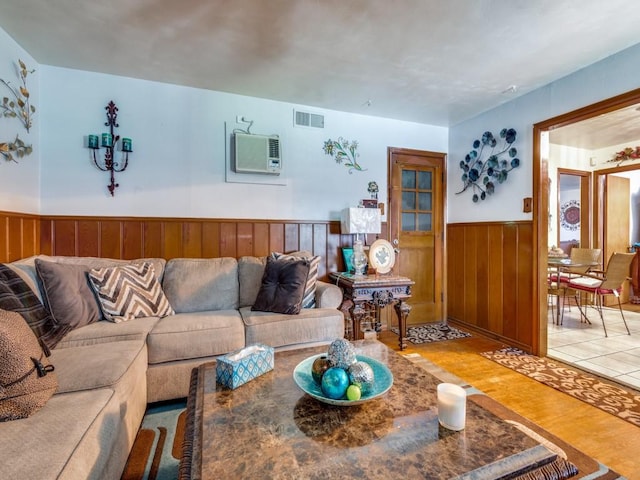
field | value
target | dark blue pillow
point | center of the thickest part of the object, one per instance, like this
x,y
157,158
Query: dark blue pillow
x,y
283,285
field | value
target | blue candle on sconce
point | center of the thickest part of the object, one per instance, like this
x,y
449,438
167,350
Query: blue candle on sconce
x,y
107,140
92,141
127,145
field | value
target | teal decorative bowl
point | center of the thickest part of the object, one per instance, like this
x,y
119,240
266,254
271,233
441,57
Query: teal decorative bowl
x,y
382,382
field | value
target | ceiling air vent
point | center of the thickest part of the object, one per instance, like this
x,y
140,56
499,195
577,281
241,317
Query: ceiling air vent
x,y
306,119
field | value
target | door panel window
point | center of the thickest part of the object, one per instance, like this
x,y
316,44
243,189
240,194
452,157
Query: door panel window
x,y
417,200
408,179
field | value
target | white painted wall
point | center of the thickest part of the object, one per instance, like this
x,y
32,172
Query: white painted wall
x,y
178,164
19,182
612,76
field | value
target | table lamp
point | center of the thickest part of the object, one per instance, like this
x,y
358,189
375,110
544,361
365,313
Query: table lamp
x,y
356,221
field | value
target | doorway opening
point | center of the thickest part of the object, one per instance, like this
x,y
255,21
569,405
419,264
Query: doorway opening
x,y
585,141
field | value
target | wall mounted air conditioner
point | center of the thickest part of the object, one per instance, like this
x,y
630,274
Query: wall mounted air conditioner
x,y
257,154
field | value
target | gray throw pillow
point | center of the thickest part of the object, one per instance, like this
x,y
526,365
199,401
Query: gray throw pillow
x,y
283,285
27,380
67,293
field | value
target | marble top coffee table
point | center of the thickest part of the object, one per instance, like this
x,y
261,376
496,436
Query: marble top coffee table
x,y
269,428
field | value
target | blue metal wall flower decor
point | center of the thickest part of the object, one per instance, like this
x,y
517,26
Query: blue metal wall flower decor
x,y
482,174
344,152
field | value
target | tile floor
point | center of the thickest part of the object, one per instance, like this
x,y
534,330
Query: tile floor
x,y
584,345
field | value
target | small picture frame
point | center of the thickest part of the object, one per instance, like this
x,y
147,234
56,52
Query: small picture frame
x,y
347,254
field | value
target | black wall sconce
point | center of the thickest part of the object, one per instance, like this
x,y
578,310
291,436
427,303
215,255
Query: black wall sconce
x,y
109,141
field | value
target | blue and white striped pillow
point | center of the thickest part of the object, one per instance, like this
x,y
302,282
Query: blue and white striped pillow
x,y
309,296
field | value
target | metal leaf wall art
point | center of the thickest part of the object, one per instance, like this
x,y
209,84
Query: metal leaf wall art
x,y
487,163
19,106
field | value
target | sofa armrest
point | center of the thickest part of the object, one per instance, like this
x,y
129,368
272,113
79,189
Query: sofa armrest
x,y
328,295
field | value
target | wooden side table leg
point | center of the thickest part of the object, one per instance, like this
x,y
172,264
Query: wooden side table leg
x,y
357,314
402,311
345,308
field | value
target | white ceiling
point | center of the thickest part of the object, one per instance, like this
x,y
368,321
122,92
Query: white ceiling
x,y
613,128
429,61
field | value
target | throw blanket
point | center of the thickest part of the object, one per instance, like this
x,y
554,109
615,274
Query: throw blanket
x,y
17,296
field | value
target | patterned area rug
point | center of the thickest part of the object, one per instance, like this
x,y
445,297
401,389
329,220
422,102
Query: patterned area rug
x,y
158,446
616,400
432,332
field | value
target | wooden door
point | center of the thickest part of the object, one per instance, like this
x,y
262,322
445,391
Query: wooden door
x,y
416,228
617,208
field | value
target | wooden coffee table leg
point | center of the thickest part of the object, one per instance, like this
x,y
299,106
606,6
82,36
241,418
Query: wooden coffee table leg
x,y
402,311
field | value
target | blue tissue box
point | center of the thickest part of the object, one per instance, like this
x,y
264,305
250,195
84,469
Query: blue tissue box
x,y
237,368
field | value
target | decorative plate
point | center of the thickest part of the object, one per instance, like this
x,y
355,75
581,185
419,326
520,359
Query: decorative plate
x,y
382,256
570,215
382,381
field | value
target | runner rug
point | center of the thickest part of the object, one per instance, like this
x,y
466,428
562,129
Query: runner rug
x,y
432,332
616,400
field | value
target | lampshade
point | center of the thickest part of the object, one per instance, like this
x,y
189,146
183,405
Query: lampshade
x,y
360,220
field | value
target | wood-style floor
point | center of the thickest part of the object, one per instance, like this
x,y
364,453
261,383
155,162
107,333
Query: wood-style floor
x,y
611,440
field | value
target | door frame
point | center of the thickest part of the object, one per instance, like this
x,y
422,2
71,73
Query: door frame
x,y
441,268
541,202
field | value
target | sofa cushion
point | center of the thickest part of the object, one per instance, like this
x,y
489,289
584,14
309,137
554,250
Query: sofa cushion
x,y
309,296
129,291
94,366
282,286
27,380
250,272
41,446
201,284
311,325
67,293
105,332
194,335
17,296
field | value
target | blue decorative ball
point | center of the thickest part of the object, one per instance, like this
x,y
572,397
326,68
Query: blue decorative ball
x,y
335,382
341,353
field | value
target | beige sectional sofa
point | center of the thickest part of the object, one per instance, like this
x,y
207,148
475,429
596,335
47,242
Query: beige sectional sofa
x,y
108,372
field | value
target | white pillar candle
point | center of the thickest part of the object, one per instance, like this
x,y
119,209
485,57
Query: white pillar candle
x,y
452,406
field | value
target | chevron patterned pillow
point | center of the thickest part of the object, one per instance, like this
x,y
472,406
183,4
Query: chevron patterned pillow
x,y
129,291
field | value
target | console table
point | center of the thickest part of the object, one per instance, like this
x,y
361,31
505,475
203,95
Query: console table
x,y
375,292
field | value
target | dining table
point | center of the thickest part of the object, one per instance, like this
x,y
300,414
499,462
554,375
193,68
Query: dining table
x,y
556,266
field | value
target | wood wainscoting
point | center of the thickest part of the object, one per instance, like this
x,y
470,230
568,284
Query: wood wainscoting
x,y
137,237
490,280
19,236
